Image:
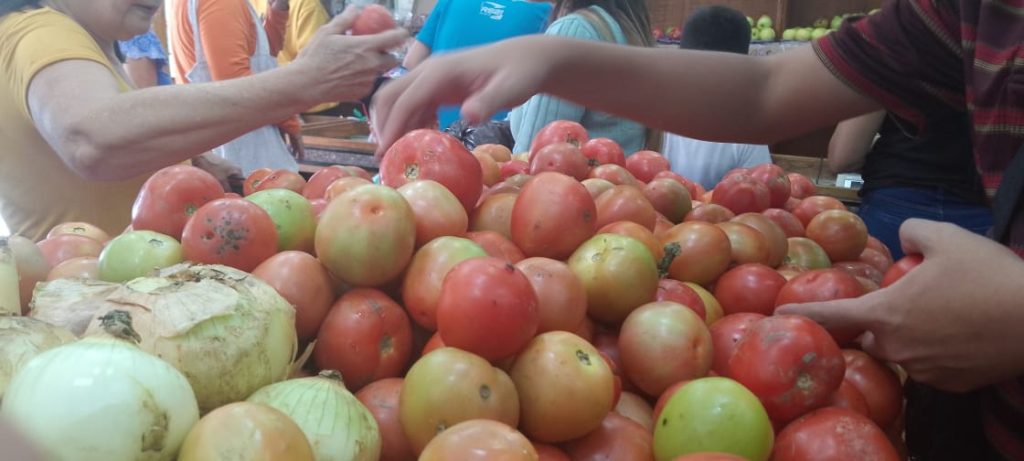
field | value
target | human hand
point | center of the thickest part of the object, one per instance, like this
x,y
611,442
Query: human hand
x,y
953,322
339,67
220,168
483,80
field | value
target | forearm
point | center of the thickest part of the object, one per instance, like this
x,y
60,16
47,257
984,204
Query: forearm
x,y
190,120
712,96
852,141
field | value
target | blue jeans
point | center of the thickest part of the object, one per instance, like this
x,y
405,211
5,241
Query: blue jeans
x,y
884,210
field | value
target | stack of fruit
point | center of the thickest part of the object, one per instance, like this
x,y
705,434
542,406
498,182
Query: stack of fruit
x,y
820,28
763,30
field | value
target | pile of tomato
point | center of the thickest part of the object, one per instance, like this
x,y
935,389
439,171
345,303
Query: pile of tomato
x,y
568,303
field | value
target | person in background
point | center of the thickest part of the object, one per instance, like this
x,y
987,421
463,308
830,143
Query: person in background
x,y
930,176
459,24
625,22
722,29
952,322
145,60
305,17
78,141
216,40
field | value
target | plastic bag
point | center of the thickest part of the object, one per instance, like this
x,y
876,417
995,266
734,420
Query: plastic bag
x,y
494,132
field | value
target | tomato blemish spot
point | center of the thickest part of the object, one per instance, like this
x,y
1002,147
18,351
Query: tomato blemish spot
x,y
441,426
485,392
386,344
804,381
808,358
155,243
412,171
583,357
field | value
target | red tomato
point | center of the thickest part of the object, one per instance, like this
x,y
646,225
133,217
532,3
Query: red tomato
x,y
710,213
232,232
859,269
847,396
749,288
877,245
512,168
171,196
812,206
645,164
494,214
703,252
876,259
822,285
559,131
790,363
487,307
489,168
835,434
421,286
550,453
381,398
373,19
366,336
84,267
725,334
342,185
305,283
602,151
282,179
663,343
498,152
63,247
254,179
625,203
429,154
879,385
840,233
678,292
786,221
614,174
900,268
597,186
433,344
80,228
801,186
565,387
318,205
560,157
561,297
553,215
637,409
496,245
618,438
773,235
607,343
634,230
742,194
669,197
774,178
358,172
479,440
662,225
748,245
437,211
316,187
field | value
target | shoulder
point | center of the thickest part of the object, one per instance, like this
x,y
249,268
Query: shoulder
x,y
44,35
572,25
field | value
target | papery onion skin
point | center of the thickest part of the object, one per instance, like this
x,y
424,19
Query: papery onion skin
x,y
10,290
337,425
101,399
246,431
23,338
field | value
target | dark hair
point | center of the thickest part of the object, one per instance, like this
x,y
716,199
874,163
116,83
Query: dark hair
x,y
10,6
631,15
717,28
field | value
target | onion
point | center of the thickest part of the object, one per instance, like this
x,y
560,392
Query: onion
x,y
338,426
226,331
102,398
246,431
69,303
10,298
21,339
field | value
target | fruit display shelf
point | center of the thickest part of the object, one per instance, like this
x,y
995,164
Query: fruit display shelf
x,y
757,48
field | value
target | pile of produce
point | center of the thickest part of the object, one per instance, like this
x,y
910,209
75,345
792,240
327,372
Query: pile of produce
x,y
569,302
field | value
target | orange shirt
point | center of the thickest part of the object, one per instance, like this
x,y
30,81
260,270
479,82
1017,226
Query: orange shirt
x,y
228,37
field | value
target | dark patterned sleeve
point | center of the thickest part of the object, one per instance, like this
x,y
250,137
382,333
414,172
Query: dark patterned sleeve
x,y
906,56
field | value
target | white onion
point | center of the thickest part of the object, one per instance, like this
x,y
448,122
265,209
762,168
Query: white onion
x,y
337,424
69,303
21,339
103,399
10,297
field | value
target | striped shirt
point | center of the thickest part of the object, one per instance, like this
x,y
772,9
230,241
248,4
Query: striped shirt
x,y
922,57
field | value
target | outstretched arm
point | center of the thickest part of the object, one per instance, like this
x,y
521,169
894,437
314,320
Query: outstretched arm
x,y
712,96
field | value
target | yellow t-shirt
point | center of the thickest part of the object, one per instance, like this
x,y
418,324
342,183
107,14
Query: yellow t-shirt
x,y
304,18
37,190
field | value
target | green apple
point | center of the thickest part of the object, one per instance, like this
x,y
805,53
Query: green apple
x,y
820,22
755,34
764,22
292,215
802,35
836,21
789,34
767,35
818,33
750,21
137,254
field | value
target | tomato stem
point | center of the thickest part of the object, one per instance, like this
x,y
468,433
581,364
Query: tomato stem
x,y
671,252
118,323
